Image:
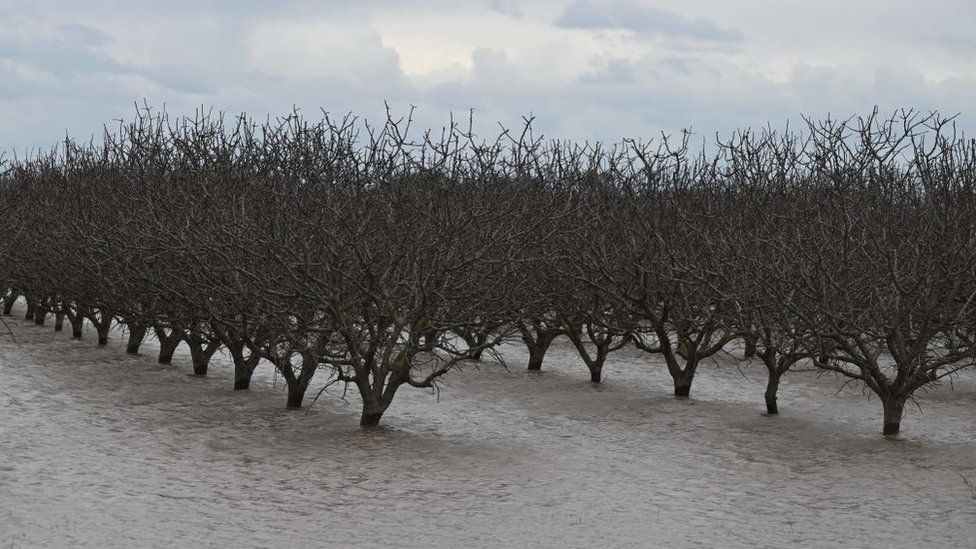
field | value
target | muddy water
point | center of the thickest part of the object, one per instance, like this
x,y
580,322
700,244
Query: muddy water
x,y
99,449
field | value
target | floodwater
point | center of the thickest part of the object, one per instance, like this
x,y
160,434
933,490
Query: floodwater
x,y
99,449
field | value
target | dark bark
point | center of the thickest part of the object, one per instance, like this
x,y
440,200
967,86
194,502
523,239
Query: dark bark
x,y
297,383
370,419
168,344
200,366
103,329
538,342
31,308
40,315
596,373
243,367
536,356
894,407
102,320
8,303
373,410
77,326
772,385
201,351
773,373
137,334
244,371
751,342
295,397
682,376
59,321
474,340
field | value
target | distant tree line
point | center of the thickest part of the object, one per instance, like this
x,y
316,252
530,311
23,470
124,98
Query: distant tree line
x,y
382,259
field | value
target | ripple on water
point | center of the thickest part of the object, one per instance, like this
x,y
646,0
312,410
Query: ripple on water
x,y
102,449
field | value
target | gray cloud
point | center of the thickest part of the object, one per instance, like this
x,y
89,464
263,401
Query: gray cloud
x,y
64,50
505,7
77,76
643,20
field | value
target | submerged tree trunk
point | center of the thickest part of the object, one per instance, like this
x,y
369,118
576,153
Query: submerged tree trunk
x,y
243,368
168,343
295,397
242,379
370,418
297,384
8,303
77,326
373,409
537,354
476,340
772,385
137,334
537,345
202,348
750,349
59,321
40,314
682,385
596,373
31,308
201,358
103,324
604,342
894,407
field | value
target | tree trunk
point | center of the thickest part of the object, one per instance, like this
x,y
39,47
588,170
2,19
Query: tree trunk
x,y
682,382
243,366
77,326
296,394
682,389
370,419
40,315
31,307
824,352
476,355
772,385
102,321
372,412
537,349
8,303
137,334
596,373
894,407
167,346
751,342
59,321
536,354
243,369
200,365
297,384
201,353
242,381
103,329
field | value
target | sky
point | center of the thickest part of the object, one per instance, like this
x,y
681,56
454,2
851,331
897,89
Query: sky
x,y
584,69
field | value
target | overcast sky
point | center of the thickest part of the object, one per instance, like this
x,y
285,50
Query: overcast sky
x,y
586,69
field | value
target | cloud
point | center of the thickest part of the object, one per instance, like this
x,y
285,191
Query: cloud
x,y
66,49
505,7
643,20
641,70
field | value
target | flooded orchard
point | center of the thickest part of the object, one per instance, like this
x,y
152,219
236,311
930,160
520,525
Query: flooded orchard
x,y
101,449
